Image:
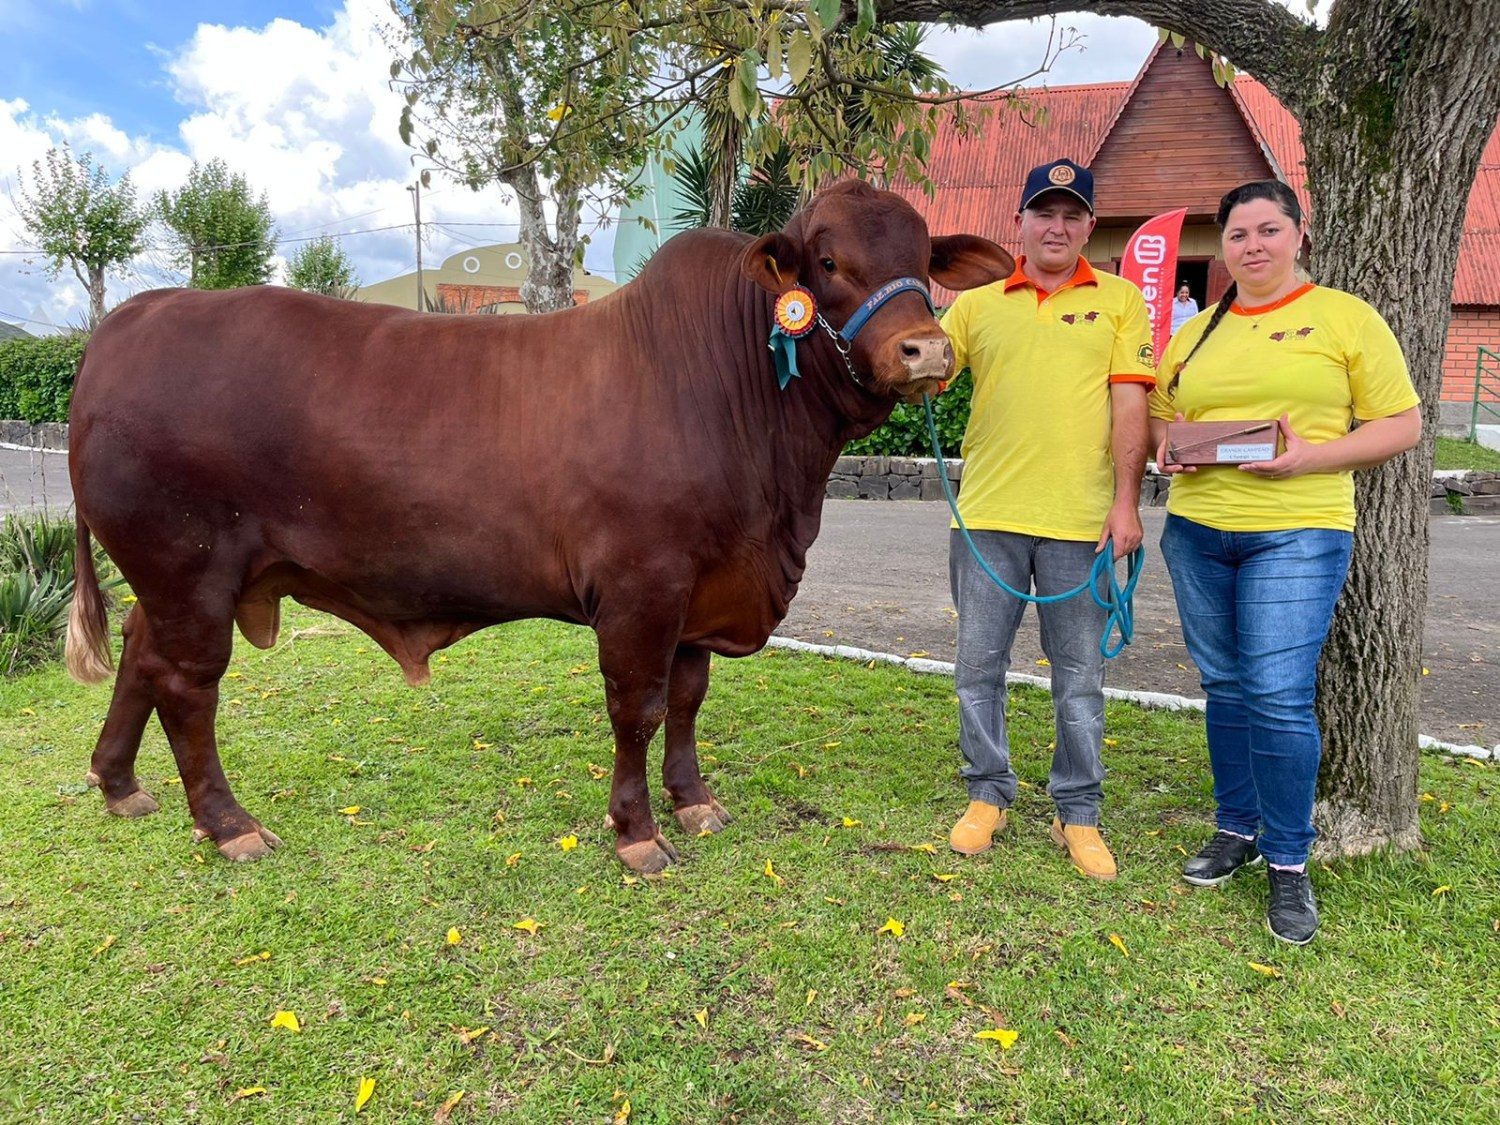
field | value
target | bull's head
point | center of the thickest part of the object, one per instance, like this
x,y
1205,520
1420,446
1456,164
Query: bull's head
x,y
850,241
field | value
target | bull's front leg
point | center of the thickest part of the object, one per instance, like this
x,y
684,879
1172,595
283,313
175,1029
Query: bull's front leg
x,y
696,810
636,668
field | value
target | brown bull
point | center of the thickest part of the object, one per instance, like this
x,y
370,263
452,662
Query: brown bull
x,y
630,465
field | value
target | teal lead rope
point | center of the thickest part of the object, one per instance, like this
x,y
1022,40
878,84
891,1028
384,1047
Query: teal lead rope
x,y
1116,601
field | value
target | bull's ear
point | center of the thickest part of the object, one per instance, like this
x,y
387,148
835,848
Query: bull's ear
x,y
966,261
771,262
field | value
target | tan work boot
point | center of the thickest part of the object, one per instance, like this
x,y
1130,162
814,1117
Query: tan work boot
x,y
974,833
1086,848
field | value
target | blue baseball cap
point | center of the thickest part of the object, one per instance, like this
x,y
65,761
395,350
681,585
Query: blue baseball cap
x,y
1060,175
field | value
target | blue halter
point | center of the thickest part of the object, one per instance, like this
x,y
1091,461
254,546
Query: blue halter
x,y
784,346
879,297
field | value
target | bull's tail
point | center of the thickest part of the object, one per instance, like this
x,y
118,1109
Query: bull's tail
x,y
88,656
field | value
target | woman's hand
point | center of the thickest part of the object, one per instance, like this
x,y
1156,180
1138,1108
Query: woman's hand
x,y
1301,457
1162,466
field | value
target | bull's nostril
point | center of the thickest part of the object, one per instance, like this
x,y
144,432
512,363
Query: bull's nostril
x,y
910,350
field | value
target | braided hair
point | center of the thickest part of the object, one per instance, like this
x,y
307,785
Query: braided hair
x,y
1286,201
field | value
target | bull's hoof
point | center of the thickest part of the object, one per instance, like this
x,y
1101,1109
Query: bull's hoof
x,y
139,803
134,804
246,847
695,820
647,857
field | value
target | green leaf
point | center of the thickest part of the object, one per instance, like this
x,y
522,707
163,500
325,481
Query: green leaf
x,y
1178,39
1161,34
1201,49
828,11
866,19
799,57
774,53
737,100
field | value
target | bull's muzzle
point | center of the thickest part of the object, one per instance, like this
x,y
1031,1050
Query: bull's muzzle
x,y
927,360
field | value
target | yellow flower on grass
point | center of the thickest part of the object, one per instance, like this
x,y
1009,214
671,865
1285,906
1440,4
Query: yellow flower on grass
x,y
568,843
248,1092
1119,943
1004,1036
893,927
622,1115
287,1020
1264,970
701,1015
850,822
454,937
1444,889
770,873
364,1094
530,925
105,944
263,955
351,810
943,877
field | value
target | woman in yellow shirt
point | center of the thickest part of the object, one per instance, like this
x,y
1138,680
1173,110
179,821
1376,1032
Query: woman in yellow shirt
x,y
1259,551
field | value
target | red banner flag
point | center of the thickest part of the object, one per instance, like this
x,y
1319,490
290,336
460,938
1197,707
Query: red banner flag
x,y
1150,261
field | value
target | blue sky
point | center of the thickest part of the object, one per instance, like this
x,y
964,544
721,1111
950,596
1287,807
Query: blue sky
x,y
295,94
77,57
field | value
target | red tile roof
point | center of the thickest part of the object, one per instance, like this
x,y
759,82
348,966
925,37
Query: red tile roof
x,y
978,177
1477,281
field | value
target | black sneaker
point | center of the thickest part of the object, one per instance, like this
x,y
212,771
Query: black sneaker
x,y
1220,858
1293,915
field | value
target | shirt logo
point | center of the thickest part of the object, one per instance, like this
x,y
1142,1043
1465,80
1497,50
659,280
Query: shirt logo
x,y
1300,333
1147,355
1061,174
1073,318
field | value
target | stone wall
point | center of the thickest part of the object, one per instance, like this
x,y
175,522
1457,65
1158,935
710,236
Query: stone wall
x,y
916,478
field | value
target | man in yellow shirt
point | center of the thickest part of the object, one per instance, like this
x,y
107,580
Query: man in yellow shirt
x,y
1054,452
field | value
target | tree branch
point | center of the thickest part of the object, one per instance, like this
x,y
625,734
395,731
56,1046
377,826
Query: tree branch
x,y
1258,36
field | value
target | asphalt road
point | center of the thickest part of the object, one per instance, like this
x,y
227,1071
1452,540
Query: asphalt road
x,y
877,578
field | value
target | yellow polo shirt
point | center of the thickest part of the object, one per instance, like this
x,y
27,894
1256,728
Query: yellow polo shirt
x,y
1037,448
1320,355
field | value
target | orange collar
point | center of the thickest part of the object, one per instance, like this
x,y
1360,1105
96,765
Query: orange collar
x,y
1083,274
1260,310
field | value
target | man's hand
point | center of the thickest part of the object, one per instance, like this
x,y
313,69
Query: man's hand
x,y
1122,529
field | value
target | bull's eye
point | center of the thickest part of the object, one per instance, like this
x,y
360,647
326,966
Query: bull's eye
x,y
827,264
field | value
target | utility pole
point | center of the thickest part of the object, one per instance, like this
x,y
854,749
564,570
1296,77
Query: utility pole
x,y
416,190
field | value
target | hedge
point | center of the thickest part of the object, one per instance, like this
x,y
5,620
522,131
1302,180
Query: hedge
x,y
905,433
36,376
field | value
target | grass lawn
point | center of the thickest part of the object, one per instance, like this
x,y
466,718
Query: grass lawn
x,y
139,973
1455,454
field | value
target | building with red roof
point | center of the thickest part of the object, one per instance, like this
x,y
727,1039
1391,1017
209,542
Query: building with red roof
x,y
1175,138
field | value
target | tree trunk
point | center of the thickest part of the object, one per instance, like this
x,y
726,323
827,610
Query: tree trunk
x,y
96,296
550,257
1393,130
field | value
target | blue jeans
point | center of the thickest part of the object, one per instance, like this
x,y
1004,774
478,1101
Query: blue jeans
x,y
987,621
1255,609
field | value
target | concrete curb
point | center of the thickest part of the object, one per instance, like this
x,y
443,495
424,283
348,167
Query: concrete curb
x,y
1152,700
29,448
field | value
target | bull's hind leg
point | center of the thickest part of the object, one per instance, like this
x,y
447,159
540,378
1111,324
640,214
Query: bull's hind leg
x,y
112,767
183,657
636,666
696,810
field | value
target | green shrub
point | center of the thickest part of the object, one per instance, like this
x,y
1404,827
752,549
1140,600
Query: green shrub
x,y
36,586
36,376
905,433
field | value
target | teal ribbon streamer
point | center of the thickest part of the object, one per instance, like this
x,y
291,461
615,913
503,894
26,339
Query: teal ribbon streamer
x,y
784,351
